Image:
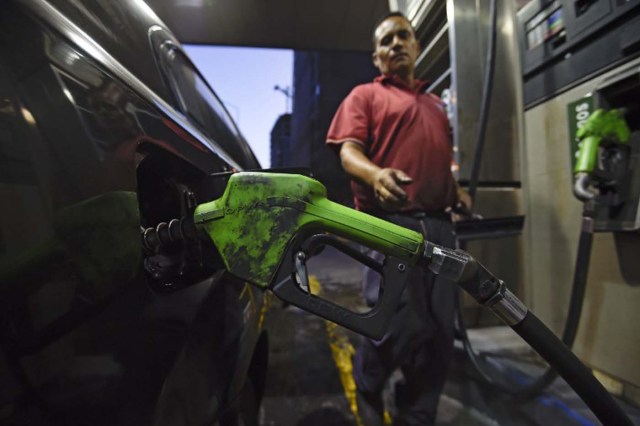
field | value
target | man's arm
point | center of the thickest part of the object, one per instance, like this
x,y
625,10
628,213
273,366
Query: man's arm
x,y
386,182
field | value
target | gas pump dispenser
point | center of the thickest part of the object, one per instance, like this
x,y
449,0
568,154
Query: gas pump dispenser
x,y
604,133
605,148
577,58
606,153
606,163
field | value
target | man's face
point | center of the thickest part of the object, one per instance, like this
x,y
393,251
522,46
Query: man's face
x,y
396,47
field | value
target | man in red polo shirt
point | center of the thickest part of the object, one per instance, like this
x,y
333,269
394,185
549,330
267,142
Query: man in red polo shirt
x,y
394,141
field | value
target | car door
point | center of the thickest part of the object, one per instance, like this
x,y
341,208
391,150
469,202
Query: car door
x,y
89,154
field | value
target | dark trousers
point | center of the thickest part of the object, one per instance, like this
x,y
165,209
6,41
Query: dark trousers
x,y
419,339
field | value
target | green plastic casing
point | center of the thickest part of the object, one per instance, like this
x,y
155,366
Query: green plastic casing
x,y
260,213
600,125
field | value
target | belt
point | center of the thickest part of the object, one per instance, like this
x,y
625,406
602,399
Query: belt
x,y
438,214
415,214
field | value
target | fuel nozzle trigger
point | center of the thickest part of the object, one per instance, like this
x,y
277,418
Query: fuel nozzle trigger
x,y
302,277
292,285
314,245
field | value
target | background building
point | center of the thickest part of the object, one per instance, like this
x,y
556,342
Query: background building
x,y
281,141
322,79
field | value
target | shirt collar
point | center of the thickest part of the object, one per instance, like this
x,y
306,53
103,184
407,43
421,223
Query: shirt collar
x,y
421,86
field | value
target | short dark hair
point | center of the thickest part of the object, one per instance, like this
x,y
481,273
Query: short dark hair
x,y
384,18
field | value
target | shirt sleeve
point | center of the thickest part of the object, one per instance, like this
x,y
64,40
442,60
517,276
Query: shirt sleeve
x,y
351,120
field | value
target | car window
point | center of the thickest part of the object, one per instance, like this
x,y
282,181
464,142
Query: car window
x,y
198,99
199,102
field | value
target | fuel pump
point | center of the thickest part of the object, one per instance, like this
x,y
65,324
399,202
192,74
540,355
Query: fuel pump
x,y
603,168
605,147
607,159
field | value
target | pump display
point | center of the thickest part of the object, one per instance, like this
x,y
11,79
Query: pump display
x,y
266,225
564,41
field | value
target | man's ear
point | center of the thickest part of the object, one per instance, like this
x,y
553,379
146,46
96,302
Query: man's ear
x,y
374,58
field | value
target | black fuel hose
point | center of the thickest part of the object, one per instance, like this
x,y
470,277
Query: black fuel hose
x,y
487,90
491,292
473,185
575,307
572,321
577,375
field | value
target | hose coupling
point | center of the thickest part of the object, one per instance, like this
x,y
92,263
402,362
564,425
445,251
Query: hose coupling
x,y
168,233
507,306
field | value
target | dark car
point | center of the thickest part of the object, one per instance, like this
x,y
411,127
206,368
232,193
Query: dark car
x,y
107,128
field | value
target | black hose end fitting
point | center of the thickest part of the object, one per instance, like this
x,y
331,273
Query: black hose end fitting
x,y
165,234
461,268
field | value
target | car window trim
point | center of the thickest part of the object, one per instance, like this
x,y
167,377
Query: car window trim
x,y
170,45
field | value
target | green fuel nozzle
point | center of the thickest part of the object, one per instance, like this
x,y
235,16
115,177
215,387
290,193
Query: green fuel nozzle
x,y
265,227
602,128
259,215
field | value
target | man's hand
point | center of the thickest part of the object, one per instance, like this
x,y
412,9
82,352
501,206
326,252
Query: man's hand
x,y
462,209
386,183
464,200
387,188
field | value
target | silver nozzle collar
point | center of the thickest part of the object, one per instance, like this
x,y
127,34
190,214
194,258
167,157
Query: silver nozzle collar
x,y
507,306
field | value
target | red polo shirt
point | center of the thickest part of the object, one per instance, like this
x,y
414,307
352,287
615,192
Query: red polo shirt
x,y
402,129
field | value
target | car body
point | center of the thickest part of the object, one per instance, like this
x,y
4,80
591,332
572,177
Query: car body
x,y
107,128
